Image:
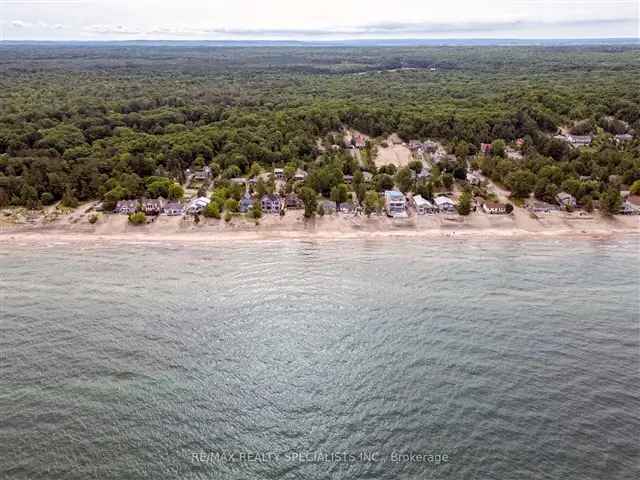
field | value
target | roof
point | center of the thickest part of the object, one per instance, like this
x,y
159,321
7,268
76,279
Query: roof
x,y
565,196
634,200
494,205
422,202
394,195
439,201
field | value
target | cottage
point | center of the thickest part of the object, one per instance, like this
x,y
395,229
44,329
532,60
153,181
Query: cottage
x,y
348,179
197,205
294,202
423,206
486,148
580,140
415,146
625,137
173,209
444,204
347,207
152,207
238,181
246,203
566,200
359,141
300,175
367,176
474,178
203,174
328,206
430,147
127,207
520,142
494,208
278,173
425,173
513,154
536,206
395,203
271,204
631,205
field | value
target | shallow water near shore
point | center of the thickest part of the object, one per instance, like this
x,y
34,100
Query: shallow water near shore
x,y
515,359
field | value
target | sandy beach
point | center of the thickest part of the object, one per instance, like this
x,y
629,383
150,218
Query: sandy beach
x,y
520,225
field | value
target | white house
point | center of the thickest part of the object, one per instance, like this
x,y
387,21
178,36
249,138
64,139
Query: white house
x,y
395,203
197,205
566,200
444,204
631,205
494,208
423,206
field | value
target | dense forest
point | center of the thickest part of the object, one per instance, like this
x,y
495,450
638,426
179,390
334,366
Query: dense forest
x,y
81,122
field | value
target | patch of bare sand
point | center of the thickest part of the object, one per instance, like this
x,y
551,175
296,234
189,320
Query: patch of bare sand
x,y
398,155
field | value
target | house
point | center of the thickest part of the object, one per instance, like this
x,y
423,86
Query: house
x,y
625,137
494,208
173,209
513,154
328,206
444,204
300,175
271,204
238,181
196,205
359,141
631,205
486,148
348,179
424,173
430,147
294,202
395,203
520,142
151,206
127,207
368,176
423,206
415,146
580,140
474,178
566,200
203,174
246,203
278,173
347,207
537,206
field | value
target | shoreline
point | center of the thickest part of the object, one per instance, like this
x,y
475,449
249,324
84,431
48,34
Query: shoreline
x,y
34,235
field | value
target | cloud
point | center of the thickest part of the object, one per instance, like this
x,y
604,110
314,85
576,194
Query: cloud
x,y
113,30
20,24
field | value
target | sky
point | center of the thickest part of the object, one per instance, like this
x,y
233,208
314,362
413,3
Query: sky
x,y
317,20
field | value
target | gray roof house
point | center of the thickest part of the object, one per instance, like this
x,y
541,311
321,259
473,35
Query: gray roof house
x,y
565,200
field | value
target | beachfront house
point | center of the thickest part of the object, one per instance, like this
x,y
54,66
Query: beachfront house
x,y
347,207
152,206
271,204
246,203
293,202
197,205
328,206
444,204
127,207
537,206
423,206
278,173
566,200
395,203
173,209
631,205
494,208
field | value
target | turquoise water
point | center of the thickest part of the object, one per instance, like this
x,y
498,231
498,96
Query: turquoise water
x,y
321,360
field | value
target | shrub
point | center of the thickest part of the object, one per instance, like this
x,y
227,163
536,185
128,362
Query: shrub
x,y
227,216
93,218
212,210
138,218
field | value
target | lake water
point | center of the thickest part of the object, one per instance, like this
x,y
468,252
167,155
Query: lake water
x,y
304,360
